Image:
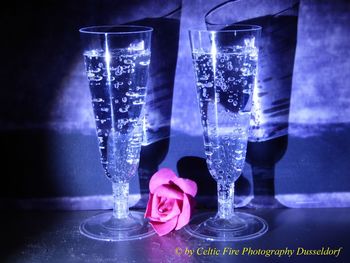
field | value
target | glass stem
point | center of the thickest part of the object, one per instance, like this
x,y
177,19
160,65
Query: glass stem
x,y
226,200
120,200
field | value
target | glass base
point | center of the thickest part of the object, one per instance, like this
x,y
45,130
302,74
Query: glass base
x,y
105,227
241,226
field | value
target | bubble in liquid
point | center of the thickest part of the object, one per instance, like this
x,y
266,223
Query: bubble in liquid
x,y
138,102
145,63
217,161
140,88
239,157
123,121
97,100
133,119
204,77
208,153
123,109
119,71
128,61
93,77
245,71
204,92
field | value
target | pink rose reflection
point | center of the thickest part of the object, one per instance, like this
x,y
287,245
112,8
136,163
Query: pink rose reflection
x,y
170,201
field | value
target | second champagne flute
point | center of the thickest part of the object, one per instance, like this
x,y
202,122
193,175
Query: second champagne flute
x,y
225,64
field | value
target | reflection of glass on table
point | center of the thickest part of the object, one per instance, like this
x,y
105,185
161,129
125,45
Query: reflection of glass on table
x,y
117,61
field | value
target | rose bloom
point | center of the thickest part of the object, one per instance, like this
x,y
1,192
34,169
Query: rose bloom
x,y
170,201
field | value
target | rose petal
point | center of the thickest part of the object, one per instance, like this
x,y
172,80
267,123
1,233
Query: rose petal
x,y
168,191
164,228
149,206
186,185
154,207
163,176
173,212
185,215
165,205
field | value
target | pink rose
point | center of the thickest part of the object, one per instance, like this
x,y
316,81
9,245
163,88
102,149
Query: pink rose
x,y
170,201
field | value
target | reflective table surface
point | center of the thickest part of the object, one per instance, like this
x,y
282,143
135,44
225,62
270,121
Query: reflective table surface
x,y
53,236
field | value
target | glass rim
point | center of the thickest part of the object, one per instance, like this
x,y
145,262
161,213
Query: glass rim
x,y
240,28
102,30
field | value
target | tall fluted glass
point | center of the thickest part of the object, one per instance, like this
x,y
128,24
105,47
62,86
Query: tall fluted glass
x,y
117,61
225,64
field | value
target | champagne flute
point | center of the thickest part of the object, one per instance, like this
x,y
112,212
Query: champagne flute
x,y
225,64
117,61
